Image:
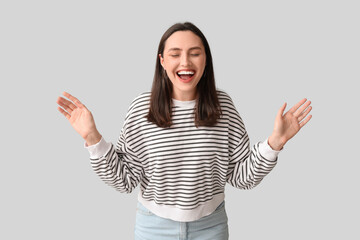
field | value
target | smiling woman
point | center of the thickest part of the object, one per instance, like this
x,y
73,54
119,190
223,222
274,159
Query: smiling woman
x,y
182,143
184,61
184,71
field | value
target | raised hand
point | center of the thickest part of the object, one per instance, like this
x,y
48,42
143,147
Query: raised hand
x,y
79,117
289,124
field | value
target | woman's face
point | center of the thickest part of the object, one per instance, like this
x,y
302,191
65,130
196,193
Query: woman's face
x,y
184,61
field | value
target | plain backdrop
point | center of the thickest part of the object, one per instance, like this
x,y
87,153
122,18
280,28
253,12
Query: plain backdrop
x,y
265,53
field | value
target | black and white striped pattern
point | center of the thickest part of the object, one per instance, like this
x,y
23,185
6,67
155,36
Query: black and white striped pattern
x,y
182,166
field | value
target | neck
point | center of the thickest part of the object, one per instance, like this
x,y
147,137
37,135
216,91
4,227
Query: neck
x,y
184,96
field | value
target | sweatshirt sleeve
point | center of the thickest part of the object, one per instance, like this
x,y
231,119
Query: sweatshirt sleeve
x,y
247,165
99,149
117,165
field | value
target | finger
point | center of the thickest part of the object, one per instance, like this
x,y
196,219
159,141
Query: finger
x,y
65,104
80,104
302,109
281,111
305,121
67,115
74,99
304,114
296,106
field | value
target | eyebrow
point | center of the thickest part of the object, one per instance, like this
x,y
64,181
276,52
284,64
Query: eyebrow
x,y
178,49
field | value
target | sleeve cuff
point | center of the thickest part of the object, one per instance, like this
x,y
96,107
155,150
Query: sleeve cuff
x,y
267,152
99,149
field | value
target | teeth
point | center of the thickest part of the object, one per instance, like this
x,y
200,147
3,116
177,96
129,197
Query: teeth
x,y
186,72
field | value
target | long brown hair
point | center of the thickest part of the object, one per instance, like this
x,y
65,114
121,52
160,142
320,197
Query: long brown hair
x,y
207,108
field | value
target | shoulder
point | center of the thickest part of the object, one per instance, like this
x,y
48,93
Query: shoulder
x,y
142,99
139,105
229,110
227,105
224,99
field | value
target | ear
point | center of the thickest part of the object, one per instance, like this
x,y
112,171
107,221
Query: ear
x,y
161,61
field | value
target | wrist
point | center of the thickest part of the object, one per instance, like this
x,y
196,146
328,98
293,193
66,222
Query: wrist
x,y
276,143
93,138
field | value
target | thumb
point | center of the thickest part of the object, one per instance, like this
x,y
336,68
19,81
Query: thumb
x,y
281,111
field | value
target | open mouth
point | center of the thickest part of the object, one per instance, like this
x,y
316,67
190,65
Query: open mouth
x,y
185,76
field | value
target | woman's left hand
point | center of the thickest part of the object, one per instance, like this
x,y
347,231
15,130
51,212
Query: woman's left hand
x,y
289,124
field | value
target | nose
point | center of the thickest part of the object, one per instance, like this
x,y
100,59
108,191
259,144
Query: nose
x,y
185,60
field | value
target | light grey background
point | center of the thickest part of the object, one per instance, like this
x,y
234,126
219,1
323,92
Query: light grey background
x,y
103,52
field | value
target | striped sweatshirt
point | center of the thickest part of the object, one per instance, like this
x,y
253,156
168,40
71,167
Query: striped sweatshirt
x,y
182,170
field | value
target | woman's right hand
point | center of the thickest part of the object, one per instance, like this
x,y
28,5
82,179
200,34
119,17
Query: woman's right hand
x,y
79,117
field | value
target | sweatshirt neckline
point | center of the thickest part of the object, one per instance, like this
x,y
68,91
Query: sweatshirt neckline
x,y
184,104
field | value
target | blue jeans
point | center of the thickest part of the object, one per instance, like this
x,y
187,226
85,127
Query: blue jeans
x,y
148,226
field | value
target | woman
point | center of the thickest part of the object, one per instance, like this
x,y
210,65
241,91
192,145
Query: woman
x,y
182,142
